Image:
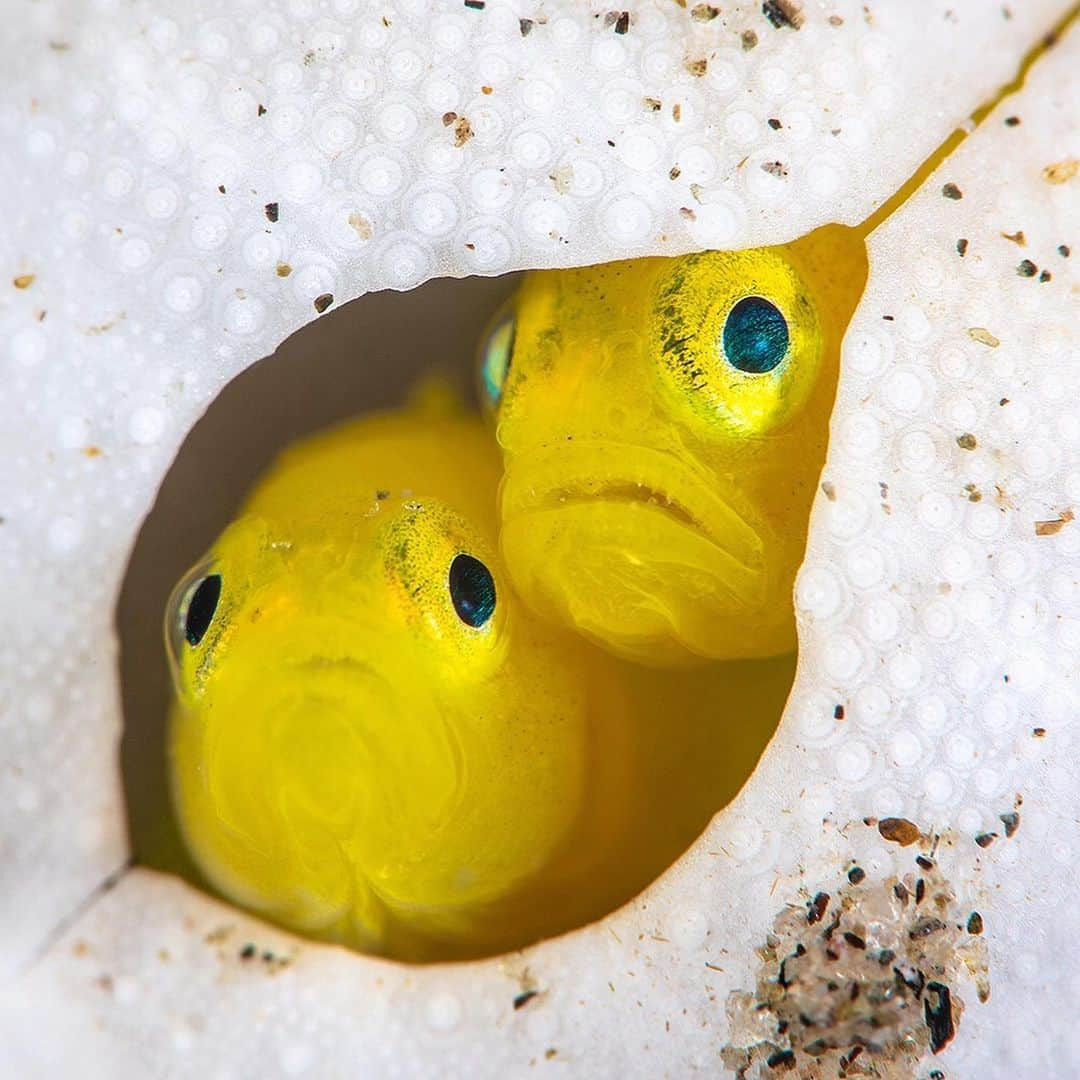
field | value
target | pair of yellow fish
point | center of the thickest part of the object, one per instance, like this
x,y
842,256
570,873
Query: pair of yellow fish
x,y
435,701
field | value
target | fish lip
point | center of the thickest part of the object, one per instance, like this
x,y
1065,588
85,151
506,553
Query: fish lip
x,y
635,475
316,664
320,662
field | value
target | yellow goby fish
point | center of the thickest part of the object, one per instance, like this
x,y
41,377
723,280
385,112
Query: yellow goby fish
x,y
373,741
663,423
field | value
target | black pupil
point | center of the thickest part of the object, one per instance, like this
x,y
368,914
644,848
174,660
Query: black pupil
x,y
201,608
472,589
755,335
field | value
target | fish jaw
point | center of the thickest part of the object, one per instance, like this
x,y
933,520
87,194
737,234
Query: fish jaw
x,y
647,552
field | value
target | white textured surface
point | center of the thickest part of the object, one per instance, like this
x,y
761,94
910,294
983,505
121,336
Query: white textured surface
x,y
118,123
157,288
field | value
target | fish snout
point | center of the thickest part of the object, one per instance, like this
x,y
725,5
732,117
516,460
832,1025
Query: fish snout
x,y
647,551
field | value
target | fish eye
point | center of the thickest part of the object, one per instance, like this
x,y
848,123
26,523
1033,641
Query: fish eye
x,y
198,607
755,336
495,356
472,590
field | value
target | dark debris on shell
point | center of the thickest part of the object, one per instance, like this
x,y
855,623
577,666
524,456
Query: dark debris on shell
x,y
876,982
783,13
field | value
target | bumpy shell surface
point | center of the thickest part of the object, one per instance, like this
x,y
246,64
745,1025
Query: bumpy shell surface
x,y
159,160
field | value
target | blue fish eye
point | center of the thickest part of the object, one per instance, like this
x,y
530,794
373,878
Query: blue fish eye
x,y
202,602
755,336
495,356
472,590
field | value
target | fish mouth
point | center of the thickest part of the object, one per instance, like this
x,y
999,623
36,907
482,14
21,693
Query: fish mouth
x,y
659,482
725,530
645,550
347,735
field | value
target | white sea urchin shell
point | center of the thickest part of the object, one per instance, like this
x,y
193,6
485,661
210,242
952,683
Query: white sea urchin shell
x,y
141,144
